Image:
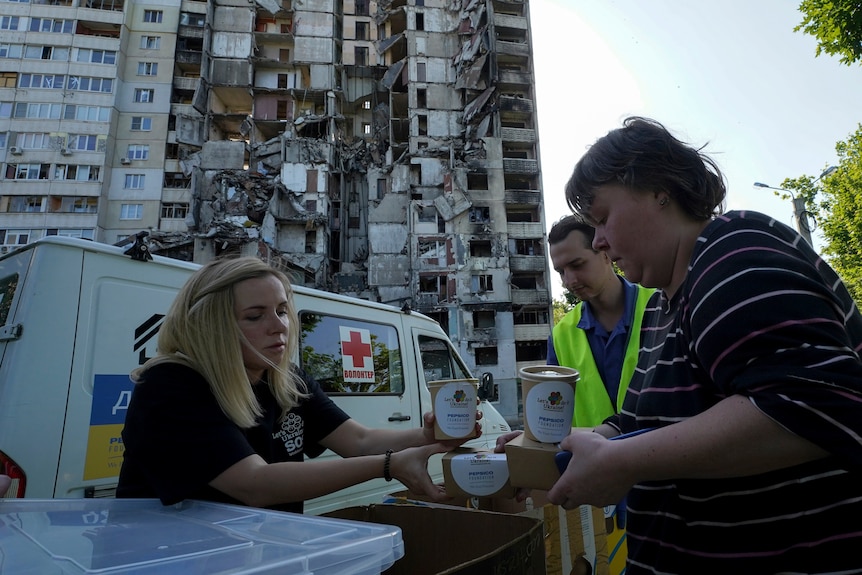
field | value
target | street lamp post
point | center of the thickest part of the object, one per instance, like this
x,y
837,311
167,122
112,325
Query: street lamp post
x,y
800,213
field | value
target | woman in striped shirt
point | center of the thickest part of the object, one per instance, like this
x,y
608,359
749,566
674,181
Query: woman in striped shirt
x,y
749,371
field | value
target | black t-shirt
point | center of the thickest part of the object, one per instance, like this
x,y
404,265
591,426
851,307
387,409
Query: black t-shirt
x,y
177,439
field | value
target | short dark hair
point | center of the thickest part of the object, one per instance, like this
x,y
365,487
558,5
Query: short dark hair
x,y
644,156
568,224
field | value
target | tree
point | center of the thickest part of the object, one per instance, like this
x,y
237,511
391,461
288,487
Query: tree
x,y
563,305
835,201
837,26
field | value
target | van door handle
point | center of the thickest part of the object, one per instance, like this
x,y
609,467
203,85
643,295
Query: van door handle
x,y
398,417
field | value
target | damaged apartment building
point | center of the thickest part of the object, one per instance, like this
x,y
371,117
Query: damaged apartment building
x,y
386,150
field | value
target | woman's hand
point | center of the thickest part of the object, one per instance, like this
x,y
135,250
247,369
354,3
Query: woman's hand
x,y
428,420
410,467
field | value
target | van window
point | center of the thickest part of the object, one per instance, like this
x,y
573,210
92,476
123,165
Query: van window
x,y
350,356
7,294
438,360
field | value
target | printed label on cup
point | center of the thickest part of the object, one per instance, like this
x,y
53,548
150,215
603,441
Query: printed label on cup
x,y
548,409
480,474
454,408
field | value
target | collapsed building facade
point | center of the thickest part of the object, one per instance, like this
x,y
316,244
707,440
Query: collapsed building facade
x,y
386,150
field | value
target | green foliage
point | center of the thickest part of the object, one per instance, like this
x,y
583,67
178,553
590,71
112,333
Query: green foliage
x,y
836,203
563,305
837,26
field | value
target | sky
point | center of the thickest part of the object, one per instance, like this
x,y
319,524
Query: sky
x,y
729,74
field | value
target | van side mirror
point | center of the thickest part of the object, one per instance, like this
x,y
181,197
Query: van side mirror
x,y
487,389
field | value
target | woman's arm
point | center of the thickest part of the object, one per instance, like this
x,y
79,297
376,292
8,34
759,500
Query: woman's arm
x,y
731,439
257,483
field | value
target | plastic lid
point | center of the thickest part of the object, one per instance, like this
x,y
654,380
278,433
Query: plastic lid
x,y
549,373
141,536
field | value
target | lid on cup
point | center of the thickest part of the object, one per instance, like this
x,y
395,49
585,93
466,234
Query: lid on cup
x,y
550,373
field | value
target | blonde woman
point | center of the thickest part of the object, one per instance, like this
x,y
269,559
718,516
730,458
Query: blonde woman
x,y
221,414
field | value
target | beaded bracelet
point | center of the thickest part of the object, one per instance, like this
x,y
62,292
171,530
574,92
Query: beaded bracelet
x,y
386,475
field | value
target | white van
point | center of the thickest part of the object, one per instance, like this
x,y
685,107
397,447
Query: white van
x,y
78,316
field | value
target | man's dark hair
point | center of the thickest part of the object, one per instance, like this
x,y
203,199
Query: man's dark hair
x,y
568,224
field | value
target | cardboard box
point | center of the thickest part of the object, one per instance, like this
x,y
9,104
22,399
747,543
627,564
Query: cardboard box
x,y
531,463
441,540
471,472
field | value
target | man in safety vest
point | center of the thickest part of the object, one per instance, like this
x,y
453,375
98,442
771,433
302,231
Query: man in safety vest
x,y
600,338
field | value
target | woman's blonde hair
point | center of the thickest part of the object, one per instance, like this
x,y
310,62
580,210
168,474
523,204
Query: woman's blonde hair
x,y
201,331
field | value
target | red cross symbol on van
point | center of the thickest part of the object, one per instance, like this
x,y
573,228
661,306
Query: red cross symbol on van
x,y
356,349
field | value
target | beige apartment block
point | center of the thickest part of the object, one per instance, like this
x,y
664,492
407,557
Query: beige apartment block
x,y
387,150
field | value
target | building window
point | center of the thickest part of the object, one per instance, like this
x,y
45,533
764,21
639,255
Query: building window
x,y
421,98
43,81
420,21
27,171
87,113
51,25
361,7
46,53
141,124
34,141
86,234
175,210
150,42
486,356
366,128
484,319
10,51
148,68
432,252
360,55
97,56
480,248
134,182
481,283
40,111
153,16
9,22
77,173
177,180
82,142
420,71
480,215
32,204
138,152
131,211
15,237
362,30
144,95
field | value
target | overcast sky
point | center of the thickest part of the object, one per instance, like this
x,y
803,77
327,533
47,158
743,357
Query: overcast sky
x,y
730,74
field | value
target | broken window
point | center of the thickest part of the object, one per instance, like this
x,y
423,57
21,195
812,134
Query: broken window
x,y
360,55
421,98
480,248
531,317
420,21
486,355
521,216
311,242
480,215
382,188
175,210
481,283
434,284
522,281
484,319
423,124
362,30
525,247
432,252
477,181
531,350
361,7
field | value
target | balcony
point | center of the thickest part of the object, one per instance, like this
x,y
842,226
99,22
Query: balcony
x,y
515,104
186,84
523,197
513,48
518,135
525,230
532,332
515,78
520,166
530,297
509,21
527,263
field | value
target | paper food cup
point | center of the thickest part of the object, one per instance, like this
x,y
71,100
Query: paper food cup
x,y
454,402
548,392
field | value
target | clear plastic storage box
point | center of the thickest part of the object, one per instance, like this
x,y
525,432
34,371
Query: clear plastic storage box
x,y
143,537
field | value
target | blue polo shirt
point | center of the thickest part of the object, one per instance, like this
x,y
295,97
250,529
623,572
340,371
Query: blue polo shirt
x,y
608,348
